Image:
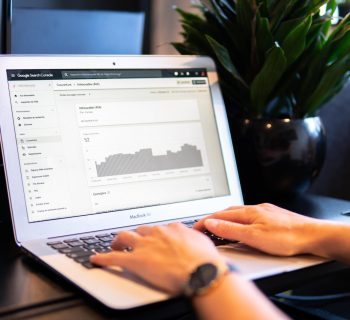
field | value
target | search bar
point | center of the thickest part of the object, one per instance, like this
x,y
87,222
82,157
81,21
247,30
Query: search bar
x,y
110,74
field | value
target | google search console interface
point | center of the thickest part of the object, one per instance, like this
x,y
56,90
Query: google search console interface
x,y
94,141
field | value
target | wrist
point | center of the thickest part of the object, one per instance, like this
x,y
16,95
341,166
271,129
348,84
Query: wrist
x,y
206,277
322,237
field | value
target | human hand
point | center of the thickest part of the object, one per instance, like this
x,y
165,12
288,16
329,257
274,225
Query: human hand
x,y
164,256
265,227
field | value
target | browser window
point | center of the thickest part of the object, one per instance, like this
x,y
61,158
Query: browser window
x,y
94,141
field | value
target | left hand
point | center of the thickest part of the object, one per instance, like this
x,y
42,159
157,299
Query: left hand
x,y
265,227
164,256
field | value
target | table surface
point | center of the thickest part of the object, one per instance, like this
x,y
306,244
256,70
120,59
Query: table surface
x,y
29,290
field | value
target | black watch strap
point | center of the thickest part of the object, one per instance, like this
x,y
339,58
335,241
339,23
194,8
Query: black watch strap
x,y
205,277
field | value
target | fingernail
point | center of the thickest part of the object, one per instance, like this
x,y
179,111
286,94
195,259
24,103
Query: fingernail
x,y
211,223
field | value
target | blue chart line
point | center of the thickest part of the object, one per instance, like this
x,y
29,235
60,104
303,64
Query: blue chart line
x,y
144,161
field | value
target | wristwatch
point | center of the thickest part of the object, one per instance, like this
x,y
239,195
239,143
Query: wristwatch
x,y
206,277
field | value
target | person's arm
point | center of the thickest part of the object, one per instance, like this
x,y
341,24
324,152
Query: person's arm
x,y
330,240
280,232
165,256
235,298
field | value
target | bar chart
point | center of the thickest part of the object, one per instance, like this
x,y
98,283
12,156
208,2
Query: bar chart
x,y
144,161
143,152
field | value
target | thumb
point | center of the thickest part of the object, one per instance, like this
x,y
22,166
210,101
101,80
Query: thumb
x,y
226,229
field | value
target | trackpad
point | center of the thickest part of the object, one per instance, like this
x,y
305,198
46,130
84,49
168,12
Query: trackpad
x,y
254,264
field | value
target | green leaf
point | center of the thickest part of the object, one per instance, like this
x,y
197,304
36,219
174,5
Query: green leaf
x,y
189,17
198,23
341,47
196,38
258,77
183,48
305,8
285,28
245,16
294,43
224,58
331,7
265,82
317,30
264,37
238,97
280,11
340,28
225,7
229,30
314,70
331,77
271,4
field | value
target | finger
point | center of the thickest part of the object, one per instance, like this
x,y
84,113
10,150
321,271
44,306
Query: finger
x,y
125,239
144,230
152,230
240,215
115,258
235,207
227,230
176,226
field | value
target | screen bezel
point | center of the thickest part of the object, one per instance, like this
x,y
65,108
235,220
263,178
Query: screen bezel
x,y
25,231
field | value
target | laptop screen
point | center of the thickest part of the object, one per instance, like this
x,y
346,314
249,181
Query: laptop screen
x,y
95,141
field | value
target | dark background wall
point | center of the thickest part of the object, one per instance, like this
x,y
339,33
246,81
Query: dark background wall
x,y
334,178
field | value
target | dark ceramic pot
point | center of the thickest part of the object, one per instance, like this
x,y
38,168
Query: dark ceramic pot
x,y
278,157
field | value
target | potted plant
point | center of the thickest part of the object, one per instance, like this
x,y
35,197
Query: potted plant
x,y
278,63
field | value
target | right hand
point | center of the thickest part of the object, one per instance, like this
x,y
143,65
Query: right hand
x,y
164,255
265,227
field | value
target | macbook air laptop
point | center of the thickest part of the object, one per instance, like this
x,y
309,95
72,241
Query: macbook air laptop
x,y
93,145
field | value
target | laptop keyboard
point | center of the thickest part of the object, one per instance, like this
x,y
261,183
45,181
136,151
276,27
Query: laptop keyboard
x,y
81,248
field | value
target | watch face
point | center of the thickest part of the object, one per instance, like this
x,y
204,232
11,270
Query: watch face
x,y
203,276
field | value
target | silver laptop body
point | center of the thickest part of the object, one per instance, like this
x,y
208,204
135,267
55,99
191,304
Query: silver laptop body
x,y
98,144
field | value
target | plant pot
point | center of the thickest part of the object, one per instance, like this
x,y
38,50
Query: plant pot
x,y
278,157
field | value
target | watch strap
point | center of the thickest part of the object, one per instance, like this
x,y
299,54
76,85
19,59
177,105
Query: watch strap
x,y
192,290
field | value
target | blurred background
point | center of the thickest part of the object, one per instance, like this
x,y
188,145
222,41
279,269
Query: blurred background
x,y
145,27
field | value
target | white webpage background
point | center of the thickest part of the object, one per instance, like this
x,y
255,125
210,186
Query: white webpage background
x,y
52,125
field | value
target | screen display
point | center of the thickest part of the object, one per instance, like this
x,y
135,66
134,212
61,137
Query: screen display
x,y
76,31
95,141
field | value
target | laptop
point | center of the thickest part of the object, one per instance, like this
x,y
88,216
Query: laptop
x,y
93,145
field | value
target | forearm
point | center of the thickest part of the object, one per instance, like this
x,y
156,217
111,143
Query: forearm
x,y
235,298
330,240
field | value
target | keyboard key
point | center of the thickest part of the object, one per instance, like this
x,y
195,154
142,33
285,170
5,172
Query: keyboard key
x,y
102,235
106,239
114,233
75,243
53,243
105,244
60,246
86,238
71,240
82,259
91,246
91,241
189,222
89,265
80,254
71,250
